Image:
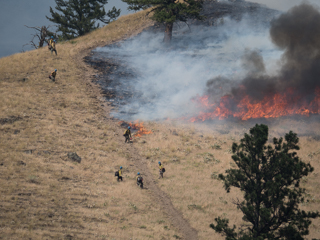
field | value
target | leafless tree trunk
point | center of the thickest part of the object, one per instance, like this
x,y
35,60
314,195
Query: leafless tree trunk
x,y
168,33
41,34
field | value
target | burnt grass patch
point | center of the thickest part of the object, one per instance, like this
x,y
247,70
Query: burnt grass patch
x,y
113,78
9,120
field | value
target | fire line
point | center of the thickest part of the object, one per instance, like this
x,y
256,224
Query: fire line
x,y
278,105
137,127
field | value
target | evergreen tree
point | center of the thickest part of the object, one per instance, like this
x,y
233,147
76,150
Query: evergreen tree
x,y
79,17
270,179
169,11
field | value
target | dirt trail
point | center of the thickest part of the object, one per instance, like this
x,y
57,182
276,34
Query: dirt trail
x,y
159,196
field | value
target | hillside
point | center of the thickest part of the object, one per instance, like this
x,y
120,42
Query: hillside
x,y
46,195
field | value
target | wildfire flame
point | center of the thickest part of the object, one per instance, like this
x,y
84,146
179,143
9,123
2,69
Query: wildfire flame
x,y
137,127
278,105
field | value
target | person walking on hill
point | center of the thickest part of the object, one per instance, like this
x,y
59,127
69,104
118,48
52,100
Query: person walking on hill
x,y
120,174
161,170
53,75
50,43
127,135
139,180
53,47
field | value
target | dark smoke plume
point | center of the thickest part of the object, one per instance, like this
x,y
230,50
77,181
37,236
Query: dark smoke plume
x,y
297,33
253,63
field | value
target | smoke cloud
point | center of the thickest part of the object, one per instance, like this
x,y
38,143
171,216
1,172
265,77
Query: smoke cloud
x,y
284,5
166,81
297,34
233,57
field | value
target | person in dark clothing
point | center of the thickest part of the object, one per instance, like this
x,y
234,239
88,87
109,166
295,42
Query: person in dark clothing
x,y
139,180
53,75
160,170
127,135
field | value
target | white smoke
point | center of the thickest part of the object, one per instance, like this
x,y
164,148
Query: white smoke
x,y
284,5
168,79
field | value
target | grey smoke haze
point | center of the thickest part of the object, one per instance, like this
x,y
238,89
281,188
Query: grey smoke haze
x,y
236,58
284,5
168,80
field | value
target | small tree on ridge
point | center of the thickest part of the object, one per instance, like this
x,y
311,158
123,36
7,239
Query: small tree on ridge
x,y
270,179
169,11
79,17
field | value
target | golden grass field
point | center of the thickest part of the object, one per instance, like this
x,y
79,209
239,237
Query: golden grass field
x,y
46,196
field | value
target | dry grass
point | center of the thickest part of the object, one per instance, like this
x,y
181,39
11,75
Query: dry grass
x,y
44,195
194,155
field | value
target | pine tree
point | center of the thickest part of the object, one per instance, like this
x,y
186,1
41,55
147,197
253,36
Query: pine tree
x,y
79,17
270,179
169,11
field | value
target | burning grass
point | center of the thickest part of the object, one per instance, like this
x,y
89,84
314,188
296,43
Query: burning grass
x,y
244,108
137,128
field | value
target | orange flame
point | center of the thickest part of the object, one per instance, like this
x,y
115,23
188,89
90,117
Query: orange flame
x,y
277,105
138,128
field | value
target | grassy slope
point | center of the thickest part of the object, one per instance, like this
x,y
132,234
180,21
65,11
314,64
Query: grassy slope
x,y
47,196
195,154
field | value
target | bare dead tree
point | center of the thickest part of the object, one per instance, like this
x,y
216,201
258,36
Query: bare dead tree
x,y
41,34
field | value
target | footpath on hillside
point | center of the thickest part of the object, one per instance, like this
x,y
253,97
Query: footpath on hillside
x,y
160,197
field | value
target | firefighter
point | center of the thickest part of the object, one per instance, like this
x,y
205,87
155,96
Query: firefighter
x,y
50,43
120,174
139,180
127,135
161,170
53,75
53,47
